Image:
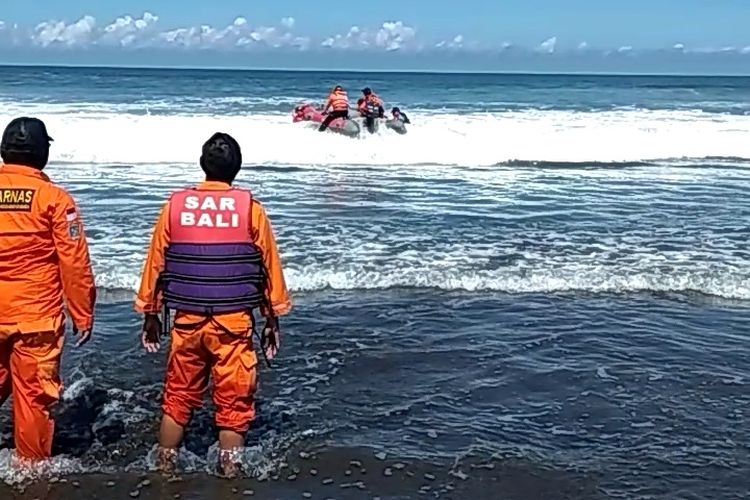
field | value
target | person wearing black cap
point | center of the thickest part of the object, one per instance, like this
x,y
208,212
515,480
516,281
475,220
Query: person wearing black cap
x,y
44,263
400,115
213,260
370,99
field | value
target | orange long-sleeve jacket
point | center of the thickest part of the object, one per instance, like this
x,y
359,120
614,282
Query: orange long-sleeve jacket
x,y
148,299
44,256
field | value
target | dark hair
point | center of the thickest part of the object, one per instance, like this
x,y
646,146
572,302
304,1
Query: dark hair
x,y
222,158
37,160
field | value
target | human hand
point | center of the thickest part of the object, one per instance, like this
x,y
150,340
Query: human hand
x,y
271,337
151,333
83,336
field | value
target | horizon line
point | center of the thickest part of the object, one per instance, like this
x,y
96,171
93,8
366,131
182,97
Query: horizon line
x,y
372,71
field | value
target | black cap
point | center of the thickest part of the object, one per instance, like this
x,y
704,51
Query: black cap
x,y
25,135
366,91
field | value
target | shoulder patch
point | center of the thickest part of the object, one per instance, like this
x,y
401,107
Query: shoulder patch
x,y
16,199
71,214
74,230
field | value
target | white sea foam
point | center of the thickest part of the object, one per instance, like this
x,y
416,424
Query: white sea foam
x,y
342,254
107,134
572,277
465,269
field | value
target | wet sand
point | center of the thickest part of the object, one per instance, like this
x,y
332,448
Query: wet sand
x,y
336,474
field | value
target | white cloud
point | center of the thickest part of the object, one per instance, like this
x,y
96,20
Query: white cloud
x,y
394,35
548,45
127,31
149,31
456,43
130,32
353,38
391,36
193,37
78,34
713,50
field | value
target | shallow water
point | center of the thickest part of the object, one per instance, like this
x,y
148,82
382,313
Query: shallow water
x,y
648,393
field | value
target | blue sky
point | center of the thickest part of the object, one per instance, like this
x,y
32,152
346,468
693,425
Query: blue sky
x,y
469,34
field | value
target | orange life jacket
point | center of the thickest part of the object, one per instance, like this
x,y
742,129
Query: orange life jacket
x,y
372,98
338,100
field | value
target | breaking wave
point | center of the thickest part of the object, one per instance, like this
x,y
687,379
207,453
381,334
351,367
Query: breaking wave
x,y
720,281
99,133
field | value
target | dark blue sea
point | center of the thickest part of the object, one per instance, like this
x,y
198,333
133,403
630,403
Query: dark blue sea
x,y
546,270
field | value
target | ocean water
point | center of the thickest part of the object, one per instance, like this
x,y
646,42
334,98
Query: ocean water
x,y
545,268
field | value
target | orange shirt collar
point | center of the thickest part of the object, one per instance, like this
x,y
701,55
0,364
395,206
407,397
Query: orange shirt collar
x,y
23,170
214,185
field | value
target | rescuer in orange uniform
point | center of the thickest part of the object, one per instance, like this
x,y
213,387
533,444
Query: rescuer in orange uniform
x,y
213,259
338,102
44,259
370,101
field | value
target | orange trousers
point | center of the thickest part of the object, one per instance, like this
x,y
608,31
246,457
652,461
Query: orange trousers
x,y
30,370
229,360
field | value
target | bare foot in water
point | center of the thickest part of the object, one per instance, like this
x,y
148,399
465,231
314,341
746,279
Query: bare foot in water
x,y
229,466
166,461
229,470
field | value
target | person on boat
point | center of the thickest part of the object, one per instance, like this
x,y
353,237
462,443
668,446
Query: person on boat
x,y
370,99
338,102
213,259
397,114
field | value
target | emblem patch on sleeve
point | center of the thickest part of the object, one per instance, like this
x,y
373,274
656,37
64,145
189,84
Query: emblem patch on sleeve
x,y
16,200
74,230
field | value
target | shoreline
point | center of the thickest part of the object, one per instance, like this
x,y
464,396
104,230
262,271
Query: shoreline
x,y
342,473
